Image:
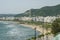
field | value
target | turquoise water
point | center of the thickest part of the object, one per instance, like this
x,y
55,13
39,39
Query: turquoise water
x,y
57,37
13,31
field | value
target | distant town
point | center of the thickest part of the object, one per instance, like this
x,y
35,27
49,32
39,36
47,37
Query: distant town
x,y
48,19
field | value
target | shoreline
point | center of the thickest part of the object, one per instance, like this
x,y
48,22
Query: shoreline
x,y
38,28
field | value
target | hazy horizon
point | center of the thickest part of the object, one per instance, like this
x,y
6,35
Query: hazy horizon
x,y
20,6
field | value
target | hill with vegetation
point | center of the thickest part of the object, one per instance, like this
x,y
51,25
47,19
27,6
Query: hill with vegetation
x,y
44,11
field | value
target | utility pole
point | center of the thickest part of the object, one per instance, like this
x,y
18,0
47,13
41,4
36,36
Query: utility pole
x,y
35,32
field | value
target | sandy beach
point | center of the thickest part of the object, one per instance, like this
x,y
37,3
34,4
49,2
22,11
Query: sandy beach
x,y
38,28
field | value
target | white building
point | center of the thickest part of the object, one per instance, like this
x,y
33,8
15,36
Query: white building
x,y
49,18
24,18
38,18
9,18
44,19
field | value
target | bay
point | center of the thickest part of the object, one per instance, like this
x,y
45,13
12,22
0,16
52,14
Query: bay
x,y
13,31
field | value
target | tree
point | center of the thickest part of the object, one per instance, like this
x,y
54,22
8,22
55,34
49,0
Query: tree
x,y
56,26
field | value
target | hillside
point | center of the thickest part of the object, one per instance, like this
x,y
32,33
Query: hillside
x,y
7,15
44,11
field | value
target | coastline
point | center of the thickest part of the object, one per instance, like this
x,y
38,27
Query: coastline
x,y
38,28
33,26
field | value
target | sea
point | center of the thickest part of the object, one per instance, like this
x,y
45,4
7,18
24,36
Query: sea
x,y
12,31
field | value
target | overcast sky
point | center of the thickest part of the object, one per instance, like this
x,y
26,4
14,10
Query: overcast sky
x,y
20,6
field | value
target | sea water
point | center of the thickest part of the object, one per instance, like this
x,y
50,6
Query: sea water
x,y
13,31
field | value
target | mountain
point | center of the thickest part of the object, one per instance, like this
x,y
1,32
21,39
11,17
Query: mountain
x,y
44,11
7,15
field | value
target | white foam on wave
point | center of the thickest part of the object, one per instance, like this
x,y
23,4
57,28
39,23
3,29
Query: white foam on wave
x,y
10,25
13,32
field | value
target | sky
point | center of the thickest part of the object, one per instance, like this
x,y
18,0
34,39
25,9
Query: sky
x,y
20,6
